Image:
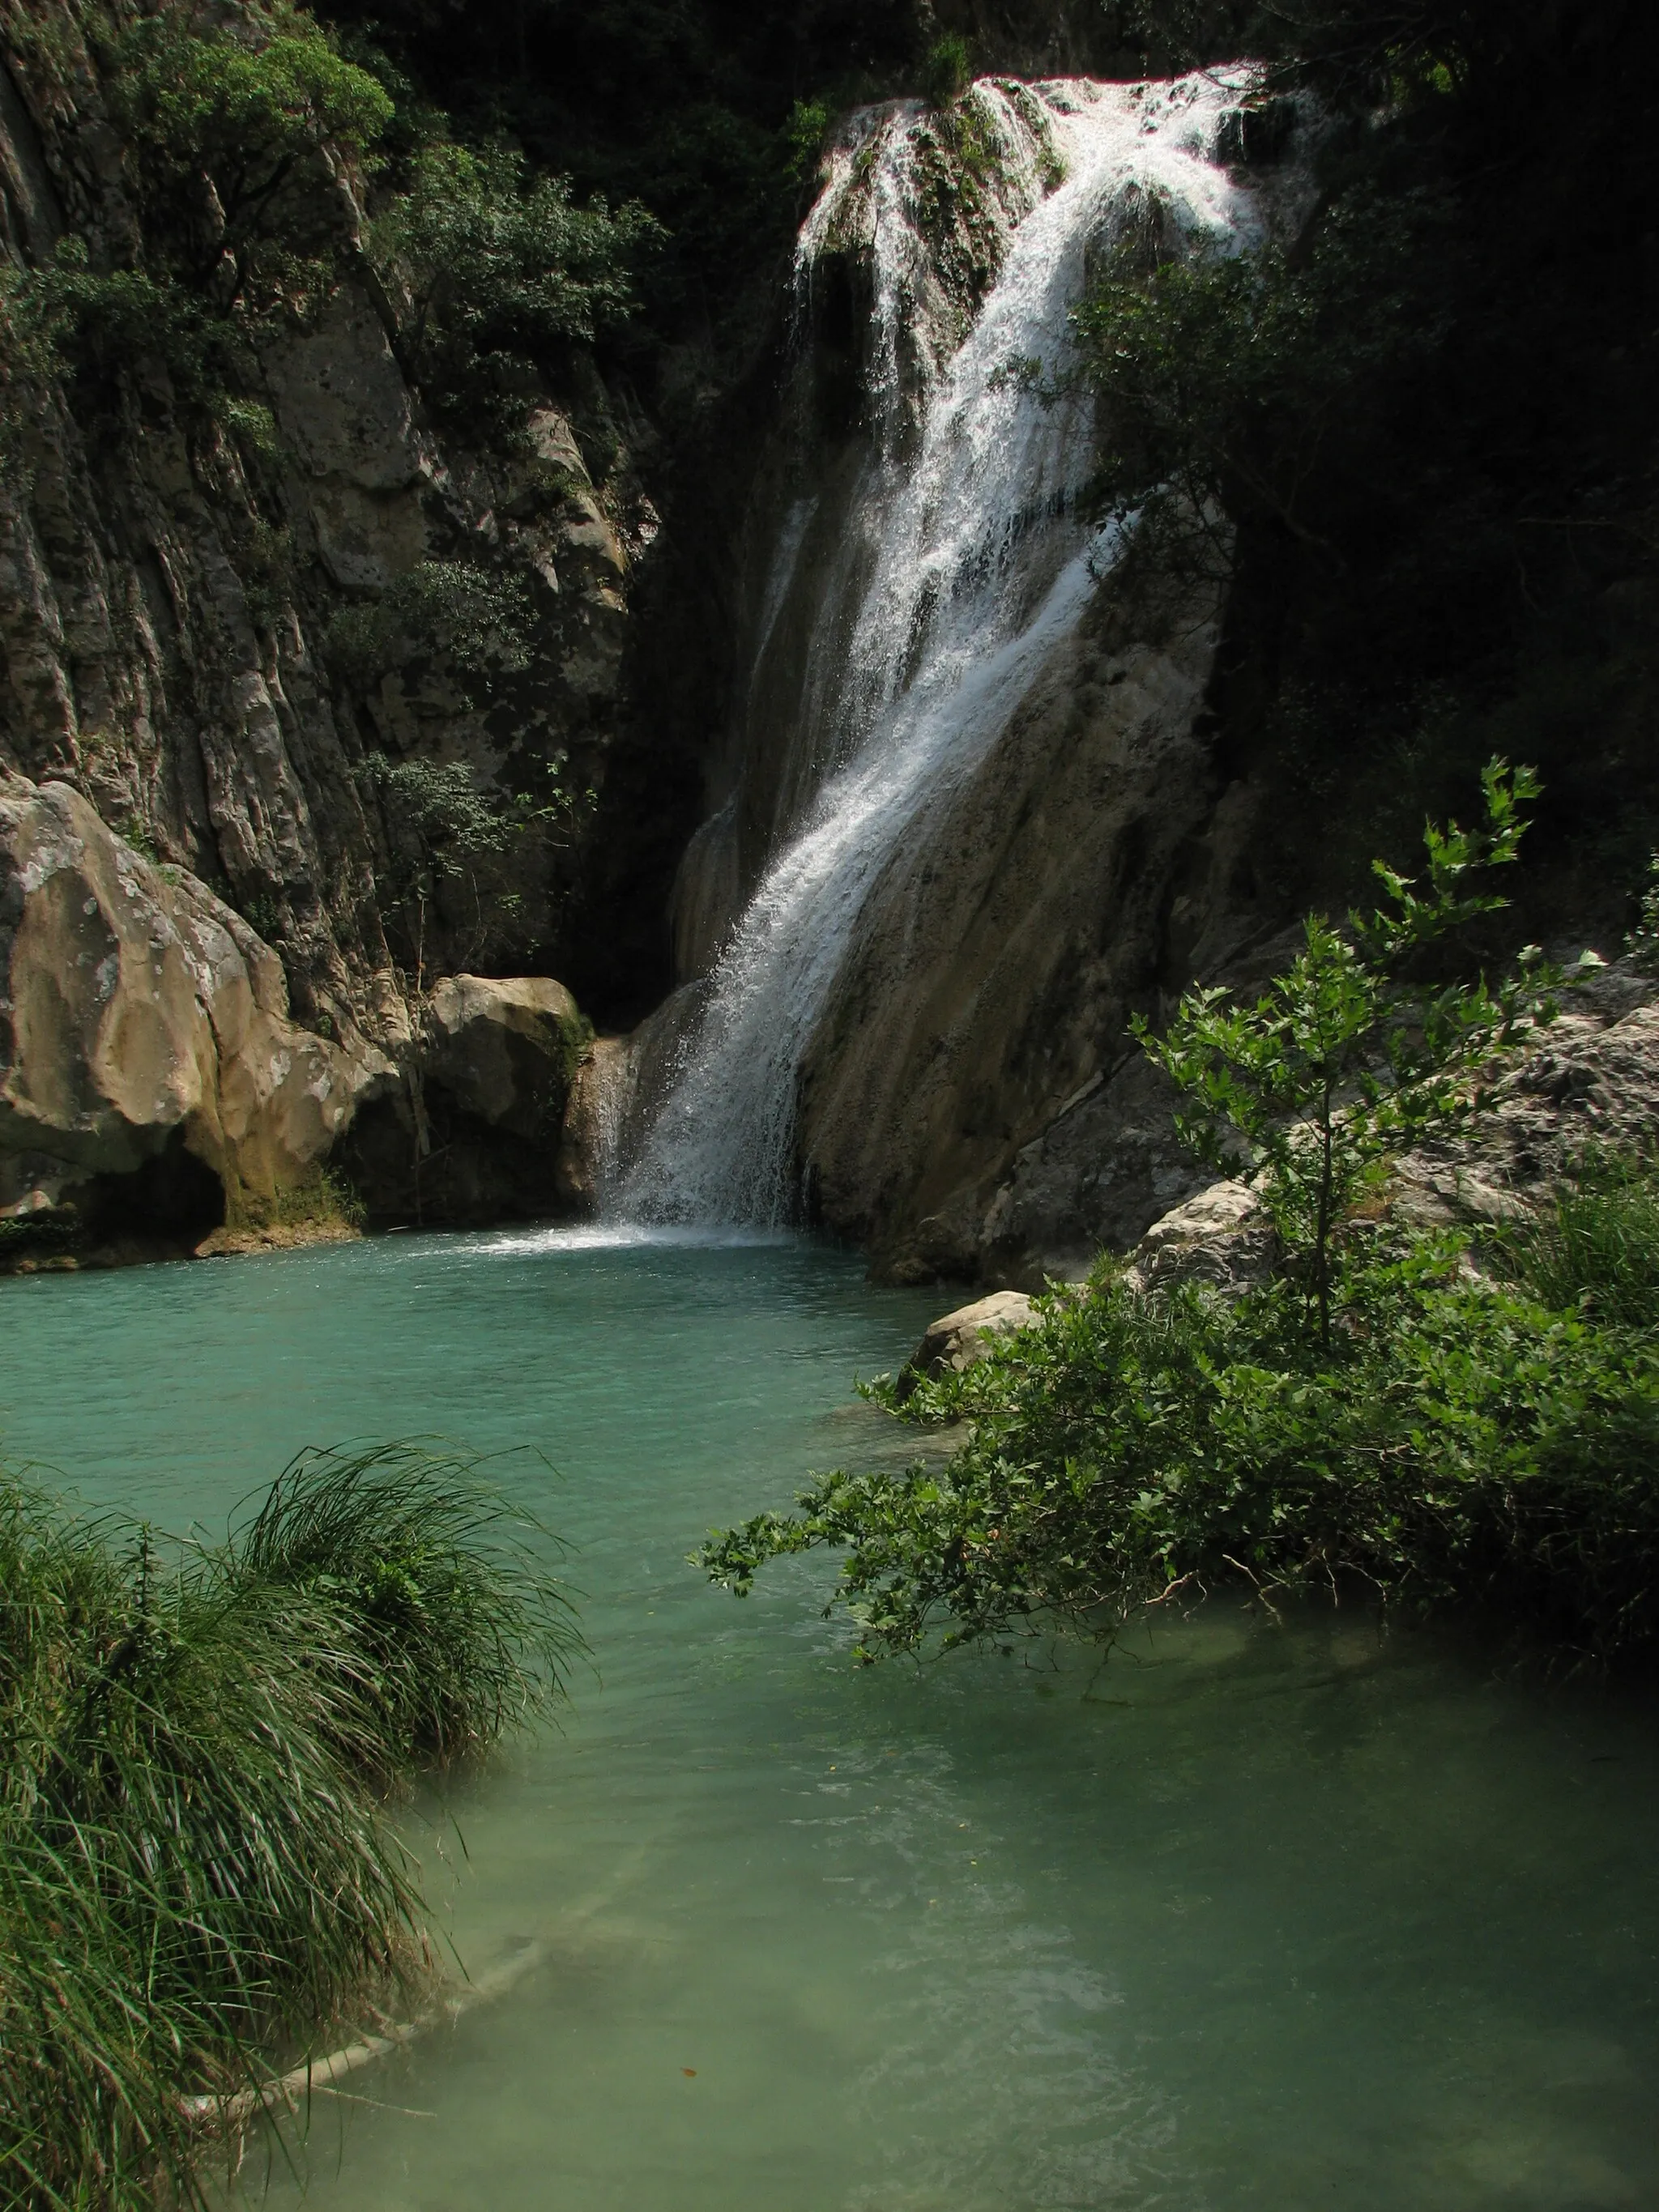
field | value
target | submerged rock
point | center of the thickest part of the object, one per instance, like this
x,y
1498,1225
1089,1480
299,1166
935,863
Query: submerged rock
x,y
149,1071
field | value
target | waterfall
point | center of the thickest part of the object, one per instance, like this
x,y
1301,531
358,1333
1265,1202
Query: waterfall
x,y
971,559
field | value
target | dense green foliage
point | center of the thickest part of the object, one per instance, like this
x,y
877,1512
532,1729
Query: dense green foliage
x,y
1594,1247
1357,1051
481,618
1372,1412
1458,1443
227,134
499,275
196,1872
248,143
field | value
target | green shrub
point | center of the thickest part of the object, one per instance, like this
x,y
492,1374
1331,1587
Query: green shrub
x,y
804,137
500,274
1372,1414
1359,1050
1227,377
197,1874
479,618
948,71
1458,1443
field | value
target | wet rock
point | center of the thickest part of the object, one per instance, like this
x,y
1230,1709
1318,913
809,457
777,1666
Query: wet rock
x,y
149,1071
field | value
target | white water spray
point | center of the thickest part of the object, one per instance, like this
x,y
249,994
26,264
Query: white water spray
x,y
973,565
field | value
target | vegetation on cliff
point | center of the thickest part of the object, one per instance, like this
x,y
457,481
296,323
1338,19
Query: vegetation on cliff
x,y
1416,440
1377,1412
198,1873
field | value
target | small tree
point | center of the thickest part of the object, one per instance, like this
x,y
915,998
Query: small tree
x,y
229,134
1350,1055
500,274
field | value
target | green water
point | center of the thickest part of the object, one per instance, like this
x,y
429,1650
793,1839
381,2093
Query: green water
x,y
1286,1919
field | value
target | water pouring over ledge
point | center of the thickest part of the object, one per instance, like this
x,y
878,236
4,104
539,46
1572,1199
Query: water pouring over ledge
x,y
969,563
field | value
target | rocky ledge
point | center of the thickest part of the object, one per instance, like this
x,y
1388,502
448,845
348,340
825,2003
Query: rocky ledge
x,y
157,1097
1592,1084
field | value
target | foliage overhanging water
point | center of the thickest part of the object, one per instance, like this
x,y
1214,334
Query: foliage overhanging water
x,y
1250,1916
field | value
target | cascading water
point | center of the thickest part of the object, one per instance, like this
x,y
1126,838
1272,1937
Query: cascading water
x,y
970,561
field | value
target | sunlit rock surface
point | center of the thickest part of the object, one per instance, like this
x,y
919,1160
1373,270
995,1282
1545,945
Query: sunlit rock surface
x,y
957,1340
141,1018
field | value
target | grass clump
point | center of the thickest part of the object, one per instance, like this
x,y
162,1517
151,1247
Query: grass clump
x,y
1594,1245
198,1877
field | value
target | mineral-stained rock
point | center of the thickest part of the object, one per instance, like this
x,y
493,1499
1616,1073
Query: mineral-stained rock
x,y
149,1069
958,1339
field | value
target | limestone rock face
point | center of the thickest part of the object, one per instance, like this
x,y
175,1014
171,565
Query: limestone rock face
x,y
475,1133
1222,1237
140,1016
958,1339
985,1001
177,595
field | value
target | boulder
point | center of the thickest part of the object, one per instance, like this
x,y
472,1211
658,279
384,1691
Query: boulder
x,y
149,1068
505,1048
1221,1235
958,1339
476,1133
1592,1085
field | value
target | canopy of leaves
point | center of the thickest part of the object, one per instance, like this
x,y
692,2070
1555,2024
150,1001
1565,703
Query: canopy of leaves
x,y
479,617
501,273
1227,376
228,131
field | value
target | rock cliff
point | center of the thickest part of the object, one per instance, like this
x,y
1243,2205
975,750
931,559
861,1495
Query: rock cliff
x,y
149,1072
220,675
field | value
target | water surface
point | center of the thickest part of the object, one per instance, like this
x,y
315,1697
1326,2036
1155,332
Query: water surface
x,y
1287,1918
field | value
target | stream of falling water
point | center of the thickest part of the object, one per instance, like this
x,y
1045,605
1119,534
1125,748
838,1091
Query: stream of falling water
x,y
975,562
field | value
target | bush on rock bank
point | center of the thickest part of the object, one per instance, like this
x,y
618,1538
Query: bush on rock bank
x,y
1380,1410
197,1874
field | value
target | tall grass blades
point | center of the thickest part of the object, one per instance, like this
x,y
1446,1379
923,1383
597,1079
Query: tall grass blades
x,y
1596,1243
462,1627
197,1875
